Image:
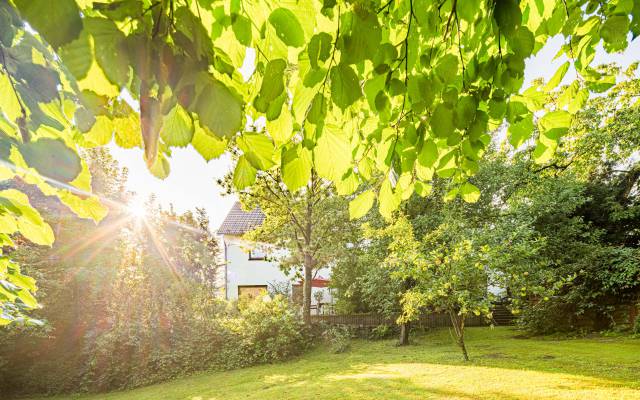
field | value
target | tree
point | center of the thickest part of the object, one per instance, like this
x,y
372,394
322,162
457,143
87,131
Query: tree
x,y
133,291
387,92
447,271
583,201
310,224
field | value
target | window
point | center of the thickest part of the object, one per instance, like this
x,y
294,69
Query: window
x,y
257,254
252,291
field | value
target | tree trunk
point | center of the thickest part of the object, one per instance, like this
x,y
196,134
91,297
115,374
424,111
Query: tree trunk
x,y
404,334
405,328
306,289
458,328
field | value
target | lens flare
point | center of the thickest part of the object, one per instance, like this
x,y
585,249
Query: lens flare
x,y
137,208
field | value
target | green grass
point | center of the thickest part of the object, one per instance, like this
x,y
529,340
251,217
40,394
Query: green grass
x,y
502,366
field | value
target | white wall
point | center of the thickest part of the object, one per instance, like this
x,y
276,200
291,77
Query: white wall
x,y
241,271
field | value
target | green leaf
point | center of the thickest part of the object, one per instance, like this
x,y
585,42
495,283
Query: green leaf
x,y
523,42
447,68
244,175
447,165
557,77
507,15
52,159
442,121
8,104
318,109
543,152
110,51
281,130
469,192
100,133
27,220
388,200
258,150
219,110
614,32
345,87
160,167
465,111
208,145
177,127
77,56
361,204
520,131
332,154
319,48
363,39
272,85
428,154
555,123
287,27
57,21
242,29
43,82
423,189
578,101
296,167
27,298
451,194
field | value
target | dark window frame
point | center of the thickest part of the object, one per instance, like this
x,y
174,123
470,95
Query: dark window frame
x,y
265,287
263,257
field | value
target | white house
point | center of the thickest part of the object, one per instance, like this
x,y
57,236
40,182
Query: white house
x,y
248,270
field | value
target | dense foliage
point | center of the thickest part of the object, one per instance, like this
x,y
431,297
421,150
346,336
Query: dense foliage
x,y
134,302
388,92
305,230
561,239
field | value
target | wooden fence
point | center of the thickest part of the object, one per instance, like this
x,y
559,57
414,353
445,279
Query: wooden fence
x,y
434,320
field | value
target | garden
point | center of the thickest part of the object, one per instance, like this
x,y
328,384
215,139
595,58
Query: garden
x,y
504,360
450,190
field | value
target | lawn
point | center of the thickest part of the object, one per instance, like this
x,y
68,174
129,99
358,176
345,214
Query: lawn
x,y
503,366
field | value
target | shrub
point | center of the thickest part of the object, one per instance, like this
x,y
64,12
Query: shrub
x,y
264,330
338,338
381,332
205,334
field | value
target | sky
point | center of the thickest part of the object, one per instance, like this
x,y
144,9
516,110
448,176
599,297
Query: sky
x,y
192,181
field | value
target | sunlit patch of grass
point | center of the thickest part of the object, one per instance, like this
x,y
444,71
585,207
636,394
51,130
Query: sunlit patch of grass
x,y
502,366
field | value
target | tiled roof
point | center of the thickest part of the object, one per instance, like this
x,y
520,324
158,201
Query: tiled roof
x,y
239,221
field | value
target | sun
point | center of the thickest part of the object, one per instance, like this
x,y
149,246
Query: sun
x,y
136,208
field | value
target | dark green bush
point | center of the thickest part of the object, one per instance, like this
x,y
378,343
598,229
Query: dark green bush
x,y
264,330
382,332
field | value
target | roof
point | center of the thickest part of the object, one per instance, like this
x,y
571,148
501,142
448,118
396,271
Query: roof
x,y
316,282
239,221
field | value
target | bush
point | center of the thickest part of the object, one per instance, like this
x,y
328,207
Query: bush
x,y
381,332
264,330
338,338
208,334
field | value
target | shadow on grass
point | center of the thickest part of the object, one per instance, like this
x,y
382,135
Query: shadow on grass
x,y
501,368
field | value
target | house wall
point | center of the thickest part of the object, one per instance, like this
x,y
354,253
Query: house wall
x,y
240,271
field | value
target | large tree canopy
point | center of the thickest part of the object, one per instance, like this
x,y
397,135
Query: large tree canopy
x,y
385,92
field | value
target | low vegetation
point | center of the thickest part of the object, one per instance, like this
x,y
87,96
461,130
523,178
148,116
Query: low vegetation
x,y
502,361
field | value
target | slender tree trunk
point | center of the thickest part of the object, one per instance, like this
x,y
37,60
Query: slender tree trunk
x,y
405,328
306,289
404,334
458,328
